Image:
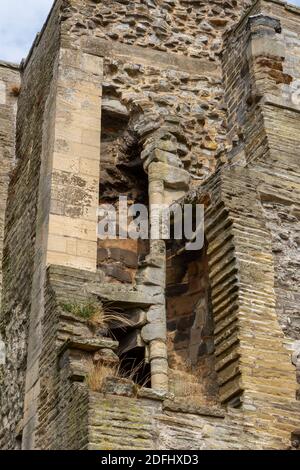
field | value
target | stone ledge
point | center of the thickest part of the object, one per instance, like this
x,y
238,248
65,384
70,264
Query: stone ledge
x,y
180,407
66,275
88,344
138,54
121,294
151,394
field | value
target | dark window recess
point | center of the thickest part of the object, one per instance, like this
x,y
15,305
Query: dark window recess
x,y
122,171
191,348
132,351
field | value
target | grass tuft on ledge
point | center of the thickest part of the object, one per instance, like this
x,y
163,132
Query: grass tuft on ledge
x,y
98,314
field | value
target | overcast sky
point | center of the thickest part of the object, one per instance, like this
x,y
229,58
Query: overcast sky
x,y
20,20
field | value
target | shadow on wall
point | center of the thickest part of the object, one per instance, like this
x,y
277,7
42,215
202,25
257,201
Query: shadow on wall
x,y
190,326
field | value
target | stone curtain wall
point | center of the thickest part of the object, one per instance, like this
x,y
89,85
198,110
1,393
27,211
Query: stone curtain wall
x,y
162,82
156,70
282,211
59,371
187,27
116,423
9,90
21,229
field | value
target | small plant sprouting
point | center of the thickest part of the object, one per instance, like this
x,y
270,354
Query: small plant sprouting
x,y
96,313
100,372
81,310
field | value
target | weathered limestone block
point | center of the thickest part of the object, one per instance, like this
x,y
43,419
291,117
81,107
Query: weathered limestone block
x,y
151,394
90,344
174,178
114,107
118,386
154,331
74,364
163,156
122,295
153,276
261,24
165,142
74,190
179,406
106,356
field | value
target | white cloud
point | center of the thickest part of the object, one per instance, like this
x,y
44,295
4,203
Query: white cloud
x,y
20,21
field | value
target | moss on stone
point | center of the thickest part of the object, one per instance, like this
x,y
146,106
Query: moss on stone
x,y
85,310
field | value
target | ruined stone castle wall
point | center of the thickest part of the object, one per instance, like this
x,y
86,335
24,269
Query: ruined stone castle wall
x,y
186,27
161,60
263,118
178,122
9,91
137,76
263,108
21,228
